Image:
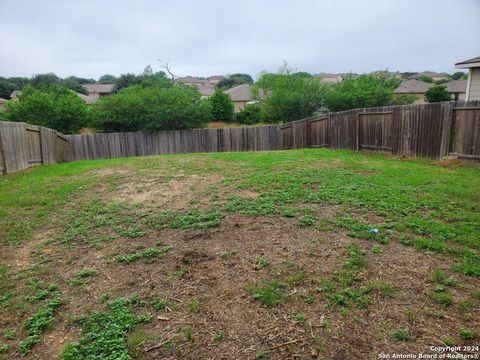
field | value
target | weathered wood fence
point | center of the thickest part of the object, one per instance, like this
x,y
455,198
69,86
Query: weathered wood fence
x,y
427,130
23,145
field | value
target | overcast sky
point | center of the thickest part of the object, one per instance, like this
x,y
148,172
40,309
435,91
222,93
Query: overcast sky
x,y
90,38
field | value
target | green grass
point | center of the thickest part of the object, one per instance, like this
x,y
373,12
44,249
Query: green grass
x,y
431,208
104,333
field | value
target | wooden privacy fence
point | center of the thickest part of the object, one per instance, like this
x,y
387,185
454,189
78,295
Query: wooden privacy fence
x,y
427,130
23,145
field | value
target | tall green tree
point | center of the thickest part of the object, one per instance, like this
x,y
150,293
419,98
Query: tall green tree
x,y
221,106
437,94
107,79
361,91
285,97
52,106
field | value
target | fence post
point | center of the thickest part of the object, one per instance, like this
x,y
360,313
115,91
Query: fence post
x,y
3,167
447,122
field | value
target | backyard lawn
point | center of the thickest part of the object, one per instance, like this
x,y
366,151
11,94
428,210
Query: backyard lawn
x,y
309,253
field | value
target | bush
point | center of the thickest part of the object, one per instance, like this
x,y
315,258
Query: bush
x,y
437,94
221,106
362,92
52,106
288,97
139,108
251,114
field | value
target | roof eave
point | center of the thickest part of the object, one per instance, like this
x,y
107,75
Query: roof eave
x,y
467,66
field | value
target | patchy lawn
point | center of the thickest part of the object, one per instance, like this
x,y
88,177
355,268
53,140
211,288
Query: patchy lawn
x,y
239,256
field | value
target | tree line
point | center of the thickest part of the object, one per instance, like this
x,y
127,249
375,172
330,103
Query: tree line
x,y
151,101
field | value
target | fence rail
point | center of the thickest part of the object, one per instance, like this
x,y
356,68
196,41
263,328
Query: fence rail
x,y
428,130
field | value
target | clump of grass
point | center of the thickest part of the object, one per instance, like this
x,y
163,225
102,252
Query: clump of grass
x,y
307,220
300,317
467,334
151,252
296,278
219,335
357,259
197,220
441,296
270,295
194,306
80,276
261,262
448,341
4,348
376,249
159,305
38,322
402,334
188,333
10,334
103,333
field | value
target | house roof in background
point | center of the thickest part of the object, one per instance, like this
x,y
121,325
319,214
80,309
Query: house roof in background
x,y
15,93
431,74
216,77
206,89
412,86
240,93
99,88
191,80
89,100
456,86
468,63
3,101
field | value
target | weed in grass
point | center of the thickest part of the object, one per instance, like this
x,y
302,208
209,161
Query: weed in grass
x,y
448,341
188,333
261,262
224,255
260,354
310,299
270,295
441,297
402,334
219,335
4,348
295,279
103,333
131,232
376,249
80,276
439,276
38,322
159,305
197,220
10,334
466,334
129,258
356,258
194,306
411,315
136,341
300,318
307,220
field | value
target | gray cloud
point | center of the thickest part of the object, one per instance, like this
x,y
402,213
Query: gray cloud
x,y
90,38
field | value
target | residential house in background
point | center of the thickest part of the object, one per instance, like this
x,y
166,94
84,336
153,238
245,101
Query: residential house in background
x,y
2,103
473,82
329,78
99,90
457,88
15,94
215,79
242,95
205,87
414,87
434,75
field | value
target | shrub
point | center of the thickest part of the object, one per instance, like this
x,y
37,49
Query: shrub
x,y
52,106
362,92
221,106
437,94
288,97
251,114
141,108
